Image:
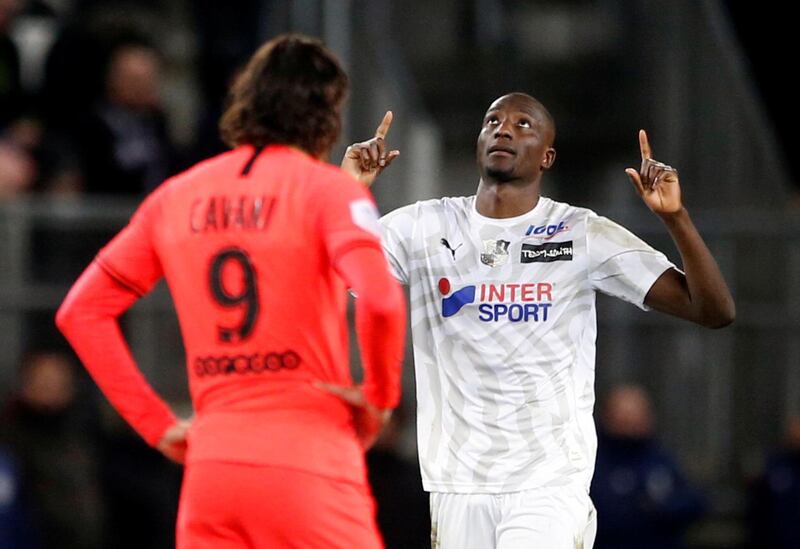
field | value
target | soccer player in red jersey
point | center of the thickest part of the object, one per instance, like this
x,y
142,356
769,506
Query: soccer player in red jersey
x,y
258,246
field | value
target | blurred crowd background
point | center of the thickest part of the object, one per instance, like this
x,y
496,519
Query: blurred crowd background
x,y
101,100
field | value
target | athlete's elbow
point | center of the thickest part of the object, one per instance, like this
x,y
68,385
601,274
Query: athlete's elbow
x,y
66,317
724,320
71,315
720,318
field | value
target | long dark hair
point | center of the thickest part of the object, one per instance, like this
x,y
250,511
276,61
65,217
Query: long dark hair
x,y
291,92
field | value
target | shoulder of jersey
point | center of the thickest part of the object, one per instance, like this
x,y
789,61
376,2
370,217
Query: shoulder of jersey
x,y
441,205
237,158
330,172
204,167
564,209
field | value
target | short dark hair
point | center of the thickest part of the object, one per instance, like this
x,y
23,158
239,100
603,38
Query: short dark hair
x,y
291,92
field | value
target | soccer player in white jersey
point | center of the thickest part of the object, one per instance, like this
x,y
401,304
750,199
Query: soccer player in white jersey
x,y
502,290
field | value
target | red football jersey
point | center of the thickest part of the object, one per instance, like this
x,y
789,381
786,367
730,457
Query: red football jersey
x,y
247,245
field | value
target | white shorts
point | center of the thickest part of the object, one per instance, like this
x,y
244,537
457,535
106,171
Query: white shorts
x,y
548,518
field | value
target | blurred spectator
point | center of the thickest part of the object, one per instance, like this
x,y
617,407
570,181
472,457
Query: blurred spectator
x,y
16,530
141,489
403,510
124,147
17,169
775,504
227,33
641,495
73,75
10,86
43,428
88,32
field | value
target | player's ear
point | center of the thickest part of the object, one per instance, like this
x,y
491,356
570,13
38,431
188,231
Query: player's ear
x,y
548,159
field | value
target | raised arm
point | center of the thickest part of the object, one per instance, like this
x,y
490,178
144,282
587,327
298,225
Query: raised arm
x,y
701,295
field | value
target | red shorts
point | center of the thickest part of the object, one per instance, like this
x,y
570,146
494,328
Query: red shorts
x,y
227,506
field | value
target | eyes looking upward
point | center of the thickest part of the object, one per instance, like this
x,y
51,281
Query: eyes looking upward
x,y
522,121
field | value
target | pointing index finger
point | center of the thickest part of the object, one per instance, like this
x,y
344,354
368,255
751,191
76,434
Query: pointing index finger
x,y
644,145
383,129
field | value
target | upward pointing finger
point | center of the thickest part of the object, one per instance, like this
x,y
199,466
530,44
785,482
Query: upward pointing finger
x,y
383,129
644,145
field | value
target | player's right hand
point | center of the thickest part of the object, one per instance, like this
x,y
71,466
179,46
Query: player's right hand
x,y
369,420
366,160
173,443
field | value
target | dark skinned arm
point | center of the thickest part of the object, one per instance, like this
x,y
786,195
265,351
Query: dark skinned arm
x,y
701,295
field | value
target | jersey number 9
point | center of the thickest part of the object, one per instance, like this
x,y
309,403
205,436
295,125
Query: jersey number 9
x,y
245,299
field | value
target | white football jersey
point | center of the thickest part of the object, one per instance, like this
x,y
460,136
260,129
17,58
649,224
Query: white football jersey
x,y
503,324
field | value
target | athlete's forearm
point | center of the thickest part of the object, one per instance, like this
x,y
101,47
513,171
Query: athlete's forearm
x,y
709,300
380,323
88,319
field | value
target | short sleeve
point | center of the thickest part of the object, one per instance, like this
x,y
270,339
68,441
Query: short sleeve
x,y
130,258
397,228
349,218
620,263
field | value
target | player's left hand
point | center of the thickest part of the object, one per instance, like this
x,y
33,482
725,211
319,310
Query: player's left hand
x,y
656,183
173,443
368,420
366,160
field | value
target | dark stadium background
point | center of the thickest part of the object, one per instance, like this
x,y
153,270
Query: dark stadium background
x,y
708,79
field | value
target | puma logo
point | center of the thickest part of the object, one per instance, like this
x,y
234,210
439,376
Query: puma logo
x,y
446,244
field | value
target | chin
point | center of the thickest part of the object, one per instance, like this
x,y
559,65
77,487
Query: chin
x,y
501,176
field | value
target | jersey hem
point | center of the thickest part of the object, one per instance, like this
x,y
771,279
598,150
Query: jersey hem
x,y
496,488
245,463
647,287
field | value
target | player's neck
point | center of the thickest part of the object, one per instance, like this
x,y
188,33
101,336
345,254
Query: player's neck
x,y
503,200
323,156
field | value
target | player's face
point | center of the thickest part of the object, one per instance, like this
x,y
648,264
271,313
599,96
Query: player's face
x,y
516,140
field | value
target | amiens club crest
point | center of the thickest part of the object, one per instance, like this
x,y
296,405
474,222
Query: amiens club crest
x,y
495,252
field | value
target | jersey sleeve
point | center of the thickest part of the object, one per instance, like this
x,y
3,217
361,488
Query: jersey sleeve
x,y
380,323
88,318
348,219
397,228
130,258
620,263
